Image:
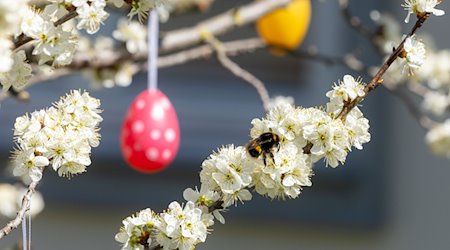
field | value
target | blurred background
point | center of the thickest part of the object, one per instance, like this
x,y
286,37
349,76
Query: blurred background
x,y
391,195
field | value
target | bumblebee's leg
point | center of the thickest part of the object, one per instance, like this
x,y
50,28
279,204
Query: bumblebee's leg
x,y
268,156
271,158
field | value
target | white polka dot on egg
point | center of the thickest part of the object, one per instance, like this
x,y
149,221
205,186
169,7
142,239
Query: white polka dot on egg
x,y
169,135
152,154
140,104
157,113
166,154
164,102
138,126
155,134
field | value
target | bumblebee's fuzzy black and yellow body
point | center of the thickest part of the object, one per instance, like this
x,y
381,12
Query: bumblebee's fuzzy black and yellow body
x,y
263,145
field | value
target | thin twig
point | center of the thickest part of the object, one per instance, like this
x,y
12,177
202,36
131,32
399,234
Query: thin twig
x,y
237,70
13,224
349,60
354,22
422,119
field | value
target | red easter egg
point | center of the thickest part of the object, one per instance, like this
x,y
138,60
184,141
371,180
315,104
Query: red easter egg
x,y
150,132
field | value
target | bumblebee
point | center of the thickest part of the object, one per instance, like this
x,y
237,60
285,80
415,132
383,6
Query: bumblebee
x,y
263,145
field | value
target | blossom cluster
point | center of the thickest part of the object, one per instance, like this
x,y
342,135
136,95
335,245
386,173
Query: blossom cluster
x,y
422,7
228,176
176,228
429,71
61,135
54,39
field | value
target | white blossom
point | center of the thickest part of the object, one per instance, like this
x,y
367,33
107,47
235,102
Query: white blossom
x,y
133,34
19,73
142,8
11,15
181,228
280,100
285,175
137,229
436,70
53,43
5,55
357,128
123,76
415,52
28,163
420,7
228,171
91,16
61,136
436,102
206,199
438,139
347,90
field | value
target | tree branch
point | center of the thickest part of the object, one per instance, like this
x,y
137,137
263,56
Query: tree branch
x,y
237,70
13,224
219,24
83,61
348,60
377,79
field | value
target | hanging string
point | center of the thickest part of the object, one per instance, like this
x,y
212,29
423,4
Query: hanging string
x,y
24,233
152,34
26,229
29,228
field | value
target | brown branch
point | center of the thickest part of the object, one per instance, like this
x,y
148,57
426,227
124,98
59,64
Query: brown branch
x,y
237,70
13,224
219,24
355,23
377,79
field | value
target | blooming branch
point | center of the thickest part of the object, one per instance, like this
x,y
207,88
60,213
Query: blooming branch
x,y
60,136
377,79
22,211
276,163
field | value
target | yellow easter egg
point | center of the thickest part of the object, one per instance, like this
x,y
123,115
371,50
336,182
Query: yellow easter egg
x,y
286,27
